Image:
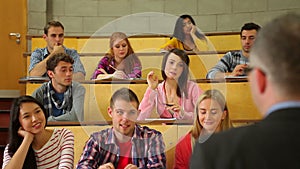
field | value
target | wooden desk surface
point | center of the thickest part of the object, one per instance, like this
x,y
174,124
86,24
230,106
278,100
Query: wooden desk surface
x,y
109,122
154,122
98,92
28,80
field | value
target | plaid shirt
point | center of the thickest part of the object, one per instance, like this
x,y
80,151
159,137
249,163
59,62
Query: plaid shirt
x,y
147,149
40,54
227,63
104,64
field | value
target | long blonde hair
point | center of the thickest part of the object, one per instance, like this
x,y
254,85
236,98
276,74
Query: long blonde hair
x,y
130,57
217,96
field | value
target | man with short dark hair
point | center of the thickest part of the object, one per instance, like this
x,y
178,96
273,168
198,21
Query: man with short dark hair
x,y
126,144
234,62
61,97
274,80
54,36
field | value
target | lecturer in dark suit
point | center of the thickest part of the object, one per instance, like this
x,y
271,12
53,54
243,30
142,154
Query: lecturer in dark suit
x,y
275,85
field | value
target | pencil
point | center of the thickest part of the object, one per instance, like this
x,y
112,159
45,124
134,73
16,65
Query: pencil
x,y
113,67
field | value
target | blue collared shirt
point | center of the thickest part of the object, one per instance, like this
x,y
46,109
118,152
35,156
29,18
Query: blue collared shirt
x,y
283,105
40,54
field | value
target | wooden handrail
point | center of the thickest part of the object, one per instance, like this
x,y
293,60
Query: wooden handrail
x,y
145,53
103,123
135,36
133,81
154,122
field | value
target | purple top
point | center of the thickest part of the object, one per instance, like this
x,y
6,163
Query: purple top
x,y
104,63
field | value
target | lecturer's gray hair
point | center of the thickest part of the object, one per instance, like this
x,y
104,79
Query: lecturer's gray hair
x,y
276,52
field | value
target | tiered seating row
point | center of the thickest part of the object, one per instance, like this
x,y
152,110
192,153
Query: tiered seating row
x,y
170,135
91,49
140,43
97,97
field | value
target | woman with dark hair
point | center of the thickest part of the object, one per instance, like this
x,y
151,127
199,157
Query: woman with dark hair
x,y
186,36
30,144
176,96
211,115
121,61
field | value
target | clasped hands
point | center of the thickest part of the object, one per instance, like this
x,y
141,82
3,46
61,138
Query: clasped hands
x,y
175,110
111,166
239,70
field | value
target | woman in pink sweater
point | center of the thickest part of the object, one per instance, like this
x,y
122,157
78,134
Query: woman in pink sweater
x,y
211,115
176,96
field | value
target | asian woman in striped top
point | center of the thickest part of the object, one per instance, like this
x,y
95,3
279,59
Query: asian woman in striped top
x,y
30,144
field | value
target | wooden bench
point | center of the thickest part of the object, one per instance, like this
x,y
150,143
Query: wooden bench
x,y
97,97
171,133
92,49
222,41
199,64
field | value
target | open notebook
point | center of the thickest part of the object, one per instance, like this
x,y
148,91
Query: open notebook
x,y
160,119
235,77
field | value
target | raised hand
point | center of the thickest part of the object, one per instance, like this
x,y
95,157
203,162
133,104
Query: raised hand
x,y
152,80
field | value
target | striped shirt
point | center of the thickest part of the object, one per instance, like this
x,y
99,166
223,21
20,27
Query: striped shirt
x,y
58,152
227,63
147,149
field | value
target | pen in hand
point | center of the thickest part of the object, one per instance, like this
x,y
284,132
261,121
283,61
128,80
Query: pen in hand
x,y
170,110
113,67
119,73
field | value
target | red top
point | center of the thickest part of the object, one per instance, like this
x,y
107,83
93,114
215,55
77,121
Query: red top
x,y
125,155
183,152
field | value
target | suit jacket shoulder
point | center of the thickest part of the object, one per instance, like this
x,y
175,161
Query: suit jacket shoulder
x,y
272,143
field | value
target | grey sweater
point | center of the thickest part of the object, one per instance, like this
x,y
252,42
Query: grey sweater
x,y
76,112
227,63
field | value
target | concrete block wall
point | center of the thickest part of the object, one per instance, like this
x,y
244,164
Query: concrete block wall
x,y
102,17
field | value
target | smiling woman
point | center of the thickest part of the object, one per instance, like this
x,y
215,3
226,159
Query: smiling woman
x,y
29,144
176,89
211,115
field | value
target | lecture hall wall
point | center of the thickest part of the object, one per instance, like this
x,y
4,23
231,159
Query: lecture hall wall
x,y
135,17
85,17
